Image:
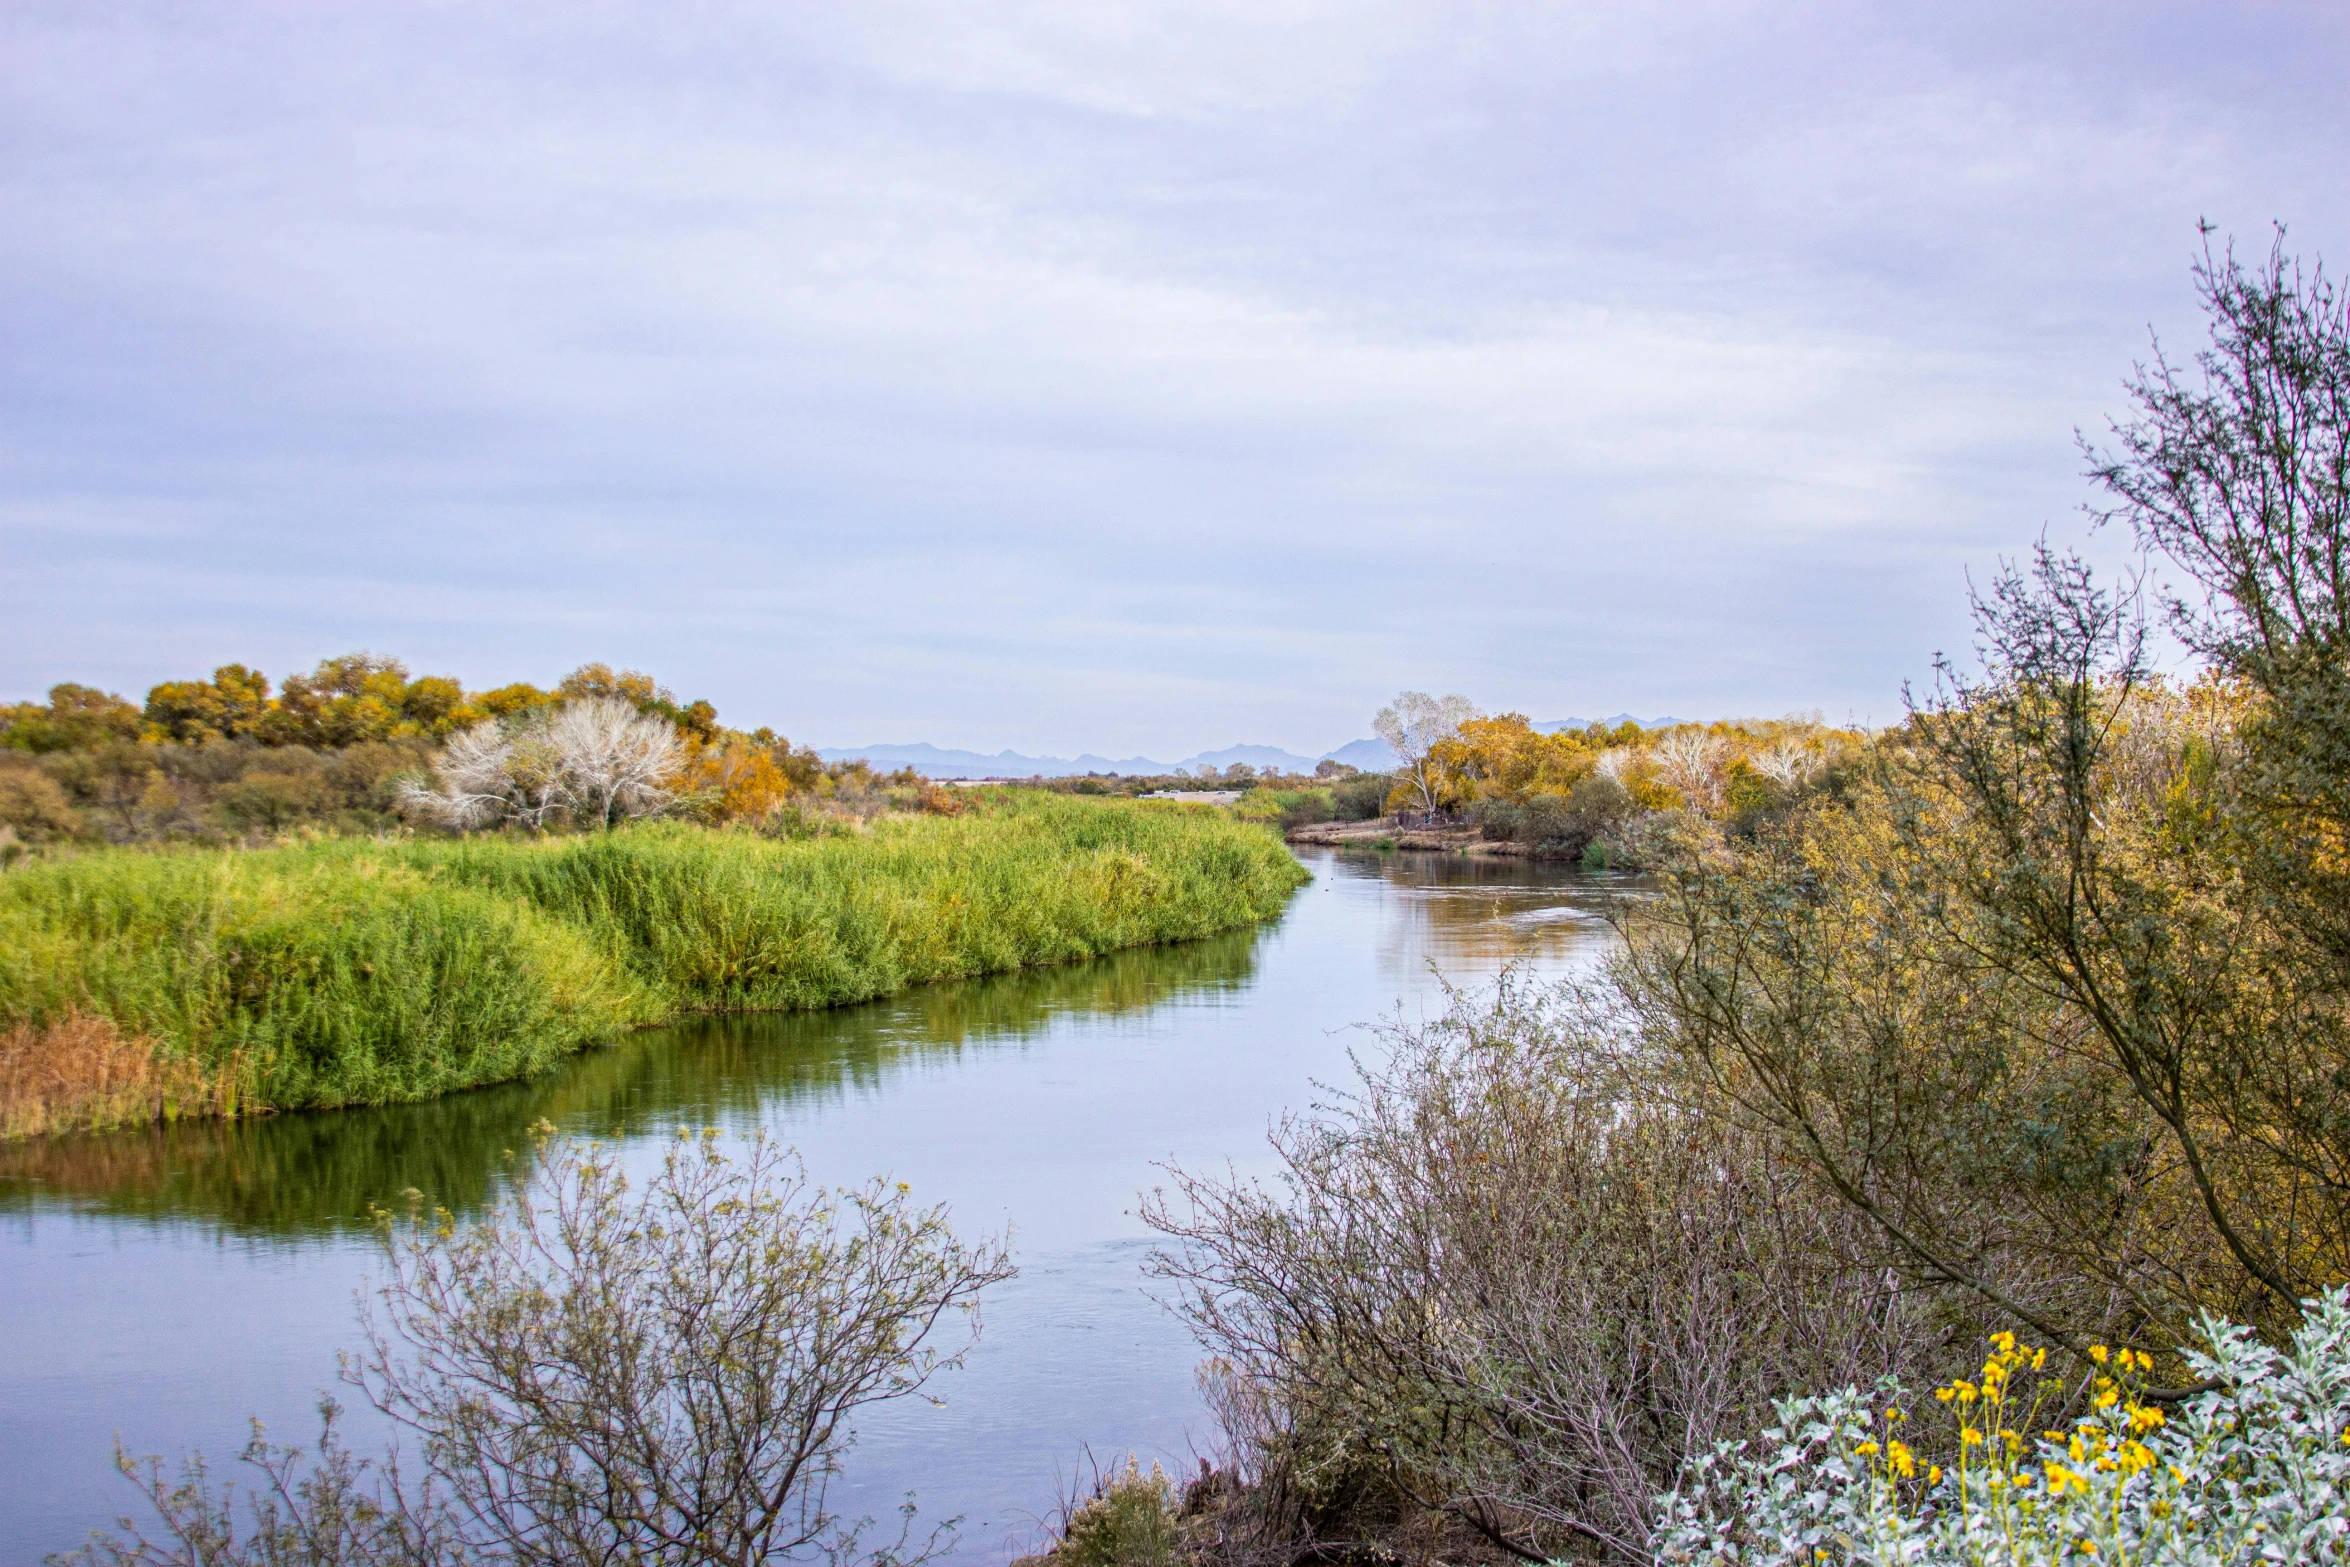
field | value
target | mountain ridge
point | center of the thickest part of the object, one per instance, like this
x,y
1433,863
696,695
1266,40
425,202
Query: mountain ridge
x,y
934,761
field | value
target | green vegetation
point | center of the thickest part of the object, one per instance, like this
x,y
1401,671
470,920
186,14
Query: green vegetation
x,y
357,972
294,1174
2021,1021
346,747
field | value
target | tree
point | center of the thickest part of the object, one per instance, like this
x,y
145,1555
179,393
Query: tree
x,y
1692,762
595,1373
2054,990
232,703
74,718
597,759
1413,725
492,774
617,762
697,719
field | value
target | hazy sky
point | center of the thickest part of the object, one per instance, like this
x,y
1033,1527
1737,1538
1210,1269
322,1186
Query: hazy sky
x,y
1103,376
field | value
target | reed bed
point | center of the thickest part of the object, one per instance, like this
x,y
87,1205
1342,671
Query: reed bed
x,y
357,972
79,1073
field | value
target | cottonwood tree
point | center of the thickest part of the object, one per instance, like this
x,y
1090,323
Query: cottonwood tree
x,y
1413,725
492,774
598,759
1691,761
617,762
595,1372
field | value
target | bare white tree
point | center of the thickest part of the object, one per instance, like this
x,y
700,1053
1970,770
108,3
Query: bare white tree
x,y
491,774
599,759
617,762
1691,761
1790,764
1413,725
1614,763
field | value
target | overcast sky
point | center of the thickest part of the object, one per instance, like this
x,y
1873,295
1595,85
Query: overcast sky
x,y
1097,377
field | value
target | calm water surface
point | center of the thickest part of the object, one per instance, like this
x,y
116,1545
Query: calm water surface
x,y
170,1285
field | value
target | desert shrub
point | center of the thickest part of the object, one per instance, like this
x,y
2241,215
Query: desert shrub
x,y
2254,1470
1284,808
273,799
34,808
1360,798
1128,1521
1518,1277
596,1371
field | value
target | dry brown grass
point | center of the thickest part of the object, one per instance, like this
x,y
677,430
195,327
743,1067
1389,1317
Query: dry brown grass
x,y
80,1074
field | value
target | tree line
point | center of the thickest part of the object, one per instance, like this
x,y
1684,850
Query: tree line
x,y
2021,1021
359,744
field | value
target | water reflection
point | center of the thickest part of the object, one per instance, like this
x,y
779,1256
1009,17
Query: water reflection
x,y
295,1174
167,1285
1475,914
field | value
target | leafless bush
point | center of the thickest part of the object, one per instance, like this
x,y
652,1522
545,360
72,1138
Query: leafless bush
x,y
596,1375
1515,1276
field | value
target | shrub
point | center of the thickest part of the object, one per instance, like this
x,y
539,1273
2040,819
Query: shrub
x,y
596,1373
1518,1278
1361,798
2256,1469
34,808
1129,1521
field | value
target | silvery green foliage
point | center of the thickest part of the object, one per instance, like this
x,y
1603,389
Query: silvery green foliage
x,y
2256,1470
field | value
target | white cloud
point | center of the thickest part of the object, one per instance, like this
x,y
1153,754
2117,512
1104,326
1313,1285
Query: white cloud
x,y
1097,378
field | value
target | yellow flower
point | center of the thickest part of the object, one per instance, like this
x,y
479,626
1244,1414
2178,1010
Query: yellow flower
x,y
1866,1449
2098,1352
1903,1462
1933,1474
1969,1436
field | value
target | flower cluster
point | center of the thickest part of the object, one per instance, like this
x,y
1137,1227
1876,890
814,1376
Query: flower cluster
x,y
2255,1470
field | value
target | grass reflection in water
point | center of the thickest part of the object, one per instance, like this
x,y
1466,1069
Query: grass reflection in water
x,y
303,1173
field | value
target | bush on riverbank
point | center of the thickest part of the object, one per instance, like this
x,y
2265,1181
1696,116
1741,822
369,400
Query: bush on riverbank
x,y
2026,1016
349,972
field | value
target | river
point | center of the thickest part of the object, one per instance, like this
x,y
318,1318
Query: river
x,y
168,1285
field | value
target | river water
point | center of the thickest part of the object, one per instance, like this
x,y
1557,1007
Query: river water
x,y
169,1285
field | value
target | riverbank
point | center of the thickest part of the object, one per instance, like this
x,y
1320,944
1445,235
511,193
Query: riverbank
x,y
364,972
1383,833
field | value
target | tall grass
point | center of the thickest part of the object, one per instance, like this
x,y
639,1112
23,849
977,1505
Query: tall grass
x,y
359,972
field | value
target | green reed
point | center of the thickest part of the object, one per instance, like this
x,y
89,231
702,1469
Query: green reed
x,y
362,972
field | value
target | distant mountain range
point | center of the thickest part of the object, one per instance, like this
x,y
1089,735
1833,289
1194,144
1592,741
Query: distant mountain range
x,y
937,762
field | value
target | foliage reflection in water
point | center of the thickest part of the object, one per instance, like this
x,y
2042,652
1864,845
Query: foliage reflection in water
x,y
290,1174
166,1285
